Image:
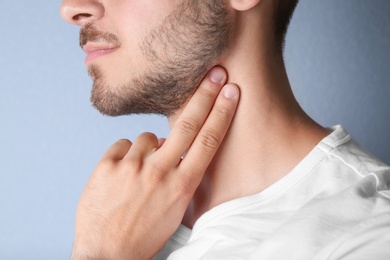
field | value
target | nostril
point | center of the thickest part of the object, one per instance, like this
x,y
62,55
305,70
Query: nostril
x,y
81,16
79,12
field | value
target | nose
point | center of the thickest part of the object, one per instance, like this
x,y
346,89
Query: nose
x,y
80,12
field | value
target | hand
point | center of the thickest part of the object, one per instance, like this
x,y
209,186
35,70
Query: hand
x,y
137,195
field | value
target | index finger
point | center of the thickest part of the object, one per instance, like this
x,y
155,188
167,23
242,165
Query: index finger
x,y
210,137
193,117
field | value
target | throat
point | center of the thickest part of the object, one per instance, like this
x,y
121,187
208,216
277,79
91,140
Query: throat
x,y
248,164
199,204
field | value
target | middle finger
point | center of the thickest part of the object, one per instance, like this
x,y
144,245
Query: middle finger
x,y
193,117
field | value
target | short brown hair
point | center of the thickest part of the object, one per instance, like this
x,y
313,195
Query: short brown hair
x,y
284,10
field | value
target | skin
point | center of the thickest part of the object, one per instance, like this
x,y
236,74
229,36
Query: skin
x,y
137,186
164,76
227,159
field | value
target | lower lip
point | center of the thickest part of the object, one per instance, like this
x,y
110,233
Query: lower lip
x,y
97,54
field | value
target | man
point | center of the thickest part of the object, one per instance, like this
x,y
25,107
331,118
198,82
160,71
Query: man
x,y
276,186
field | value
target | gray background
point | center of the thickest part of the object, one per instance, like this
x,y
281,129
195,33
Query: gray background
x,y
51,138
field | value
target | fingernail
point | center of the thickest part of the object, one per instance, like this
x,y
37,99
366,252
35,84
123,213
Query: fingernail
x,y
229,91
217,75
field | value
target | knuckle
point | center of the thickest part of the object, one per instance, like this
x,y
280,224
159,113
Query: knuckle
x,y
107,163
133,162
207,94
123,142
147,136
185,186
157,172
210,139
106,167
223,113
190,126
119,145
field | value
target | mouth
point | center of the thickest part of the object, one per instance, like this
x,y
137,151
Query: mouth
x,y
96,50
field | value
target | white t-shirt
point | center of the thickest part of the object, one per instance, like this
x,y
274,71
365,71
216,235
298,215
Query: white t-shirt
x,y
335,204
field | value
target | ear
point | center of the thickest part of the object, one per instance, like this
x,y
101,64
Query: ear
x,y
243,5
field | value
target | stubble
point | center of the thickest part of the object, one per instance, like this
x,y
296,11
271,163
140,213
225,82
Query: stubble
x,y
187,44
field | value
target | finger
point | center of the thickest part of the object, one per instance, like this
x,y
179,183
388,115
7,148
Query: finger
x,y
193,116
144,144
210,137
118,150
161,141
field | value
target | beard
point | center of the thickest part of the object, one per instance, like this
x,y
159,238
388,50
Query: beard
x,y
188,43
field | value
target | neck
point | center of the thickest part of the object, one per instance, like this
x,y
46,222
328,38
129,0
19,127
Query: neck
x,y
268,137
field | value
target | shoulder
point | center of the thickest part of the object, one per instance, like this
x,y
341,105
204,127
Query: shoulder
x,y
363,199
349,162
369,240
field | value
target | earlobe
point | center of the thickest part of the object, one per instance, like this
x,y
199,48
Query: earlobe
x,y
244,5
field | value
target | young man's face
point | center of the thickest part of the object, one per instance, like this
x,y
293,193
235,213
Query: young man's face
x,y
148,56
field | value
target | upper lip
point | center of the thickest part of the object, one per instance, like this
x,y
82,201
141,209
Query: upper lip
x,y
91,47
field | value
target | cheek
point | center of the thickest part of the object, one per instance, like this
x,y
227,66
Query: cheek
x,y
133,19
128,20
